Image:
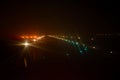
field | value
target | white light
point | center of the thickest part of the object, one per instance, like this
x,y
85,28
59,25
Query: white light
x,y
78,37
26,44
34,40
92,38
111,52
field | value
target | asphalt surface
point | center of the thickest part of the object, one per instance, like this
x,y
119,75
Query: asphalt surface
x,y
54,59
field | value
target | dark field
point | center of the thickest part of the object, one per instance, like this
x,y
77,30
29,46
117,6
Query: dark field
x,y
57,60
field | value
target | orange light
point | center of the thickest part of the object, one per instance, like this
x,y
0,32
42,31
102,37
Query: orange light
x,y
31,36
35,36
27,37
22,37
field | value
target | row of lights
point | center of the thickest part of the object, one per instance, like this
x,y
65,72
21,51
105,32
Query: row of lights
x,y
28,37
76,44
68,37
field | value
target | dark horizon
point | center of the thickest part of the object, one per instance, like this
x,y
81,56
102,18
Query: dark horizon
x,y
57,17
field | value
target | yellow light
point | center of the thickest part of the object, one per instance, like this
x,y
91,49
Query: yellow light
x,y
93,47
25,62
26,44
78,37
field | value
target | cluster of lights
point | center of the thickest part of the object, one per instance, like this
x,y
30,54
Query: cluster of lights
x,y
28,43
28,40
72,40
81,47
67,37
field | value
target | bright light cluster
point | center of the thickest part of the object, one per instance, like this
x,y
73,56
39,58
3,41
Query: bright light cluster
x,y
26,44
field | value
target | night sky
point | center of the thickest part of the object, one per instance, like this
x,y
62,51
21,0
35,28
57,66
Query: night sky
x,y
51,17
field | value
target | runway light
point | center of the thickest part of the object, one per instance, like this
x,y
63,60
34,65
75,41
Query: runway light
x,y
31,36
111,52
35,36
77,43
92,38
67,54
81,51
85,49
26,37
26,44
78,37
34,40
22,37
93,47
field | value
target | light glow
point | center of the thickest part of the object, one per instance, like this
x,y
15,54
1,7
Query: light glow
x,y
111,52
22,37
35,36
26,37
31,36
93,47
26,44
78,37
34,40
40,37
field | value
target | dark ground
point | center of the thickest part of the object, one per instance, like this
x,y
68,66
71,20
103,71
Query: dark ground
x,y
50,62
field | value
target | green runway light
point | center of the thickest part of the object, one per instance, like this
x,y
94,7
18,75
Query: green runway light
x,y
80,47
73,42
77,43
69,41
81,51
83,45
66,40
85,48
